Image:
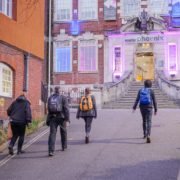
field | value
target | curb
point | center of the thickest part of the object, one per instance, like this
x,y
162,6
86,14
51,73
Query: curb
x,y
5,145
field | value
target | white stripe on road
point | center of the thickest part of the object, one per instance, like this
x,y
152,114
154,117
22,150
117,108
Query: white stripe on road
x,y
9,157
178,177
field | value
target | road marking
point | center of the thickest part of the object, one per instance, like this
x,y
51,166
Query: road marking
x,y
178,177
9,157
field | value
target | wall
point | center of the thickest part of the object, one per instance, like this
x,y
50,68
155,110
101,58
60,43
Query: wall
x,y
15,60
26,30
97,28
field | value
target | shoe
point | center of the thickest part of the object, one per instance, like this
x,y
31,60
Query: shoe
x,y
11,152
144,137
51,154
87,140
20,152
148,140
64,147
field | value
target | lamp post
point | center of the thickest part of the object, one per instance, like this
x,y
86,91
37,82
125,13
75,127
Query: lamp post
x,y
49,50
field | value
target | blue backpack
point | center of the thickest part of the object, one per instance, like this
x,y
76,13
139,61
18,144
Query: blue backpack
x,y
145,96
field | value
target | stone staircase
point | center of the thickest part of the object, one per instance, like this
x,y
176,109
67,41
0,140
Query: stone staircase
x,y
127,101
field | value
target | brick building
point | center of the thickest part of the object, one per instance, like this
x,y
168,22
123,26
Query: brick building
x,y
97,41
21,52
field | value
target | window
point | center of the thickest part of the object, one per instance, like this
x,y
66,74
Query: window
x,y
131,7
158,7
88,56
6,80
175,13
63,10
88,9
63,57
172,58
6,7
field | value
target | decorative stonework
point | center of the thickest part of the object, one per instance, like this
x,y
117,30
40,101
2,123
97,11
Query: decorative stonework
x,y
144,23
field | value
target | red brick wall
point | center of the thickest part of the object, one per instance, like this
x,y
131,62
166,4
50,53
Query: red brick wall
x,y
15,60
98,27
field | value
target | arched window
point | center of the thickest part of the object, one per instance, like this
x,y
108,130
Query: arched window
x,y
6,80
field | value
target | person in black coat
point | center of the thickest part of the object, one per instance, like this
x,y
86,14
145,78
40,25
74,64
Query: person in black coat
x,y
146,109
20,116
56,119
88,115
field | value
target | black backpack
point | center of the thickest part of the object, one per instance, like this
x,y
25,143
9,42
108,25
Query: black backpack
x,y
55,104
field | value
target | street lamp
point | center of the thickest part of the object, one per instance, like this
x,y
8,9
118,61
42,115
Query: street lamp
x,y
49,50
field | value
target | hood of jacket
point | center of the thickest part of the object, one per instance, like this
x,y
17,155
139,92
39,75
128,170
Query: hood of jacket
x,y
21,98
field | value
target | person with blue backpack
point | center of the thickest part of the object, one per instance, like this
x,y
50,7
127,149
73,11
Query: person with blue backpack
x,y
146,99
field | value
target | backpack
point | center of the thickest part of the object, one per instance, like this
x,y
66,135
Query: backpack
x,y
86,103
145,96
55,104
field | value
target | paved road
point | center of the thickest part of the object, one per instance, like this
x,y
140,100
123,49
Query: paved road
x,y
117,151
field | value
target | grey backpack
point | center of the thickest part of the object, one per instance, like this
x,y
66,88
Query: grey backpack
x,y
55,104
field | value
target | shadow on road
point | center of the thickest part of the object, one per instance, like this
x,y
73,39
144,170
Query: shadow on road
x,y
108,141
153,170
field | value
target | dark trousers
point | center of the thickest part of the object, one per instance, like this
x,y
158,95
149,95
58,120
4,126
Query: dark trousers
x,y
147,117
54,123
88,122
18,130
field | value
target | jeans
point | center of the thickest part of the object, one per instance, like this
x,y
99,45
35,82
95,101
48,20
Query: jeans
x,y
54,123
88,122
18,130
147,117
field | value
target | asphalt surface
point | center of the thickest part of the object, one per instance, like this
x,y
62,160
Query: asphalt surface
x,y
116,151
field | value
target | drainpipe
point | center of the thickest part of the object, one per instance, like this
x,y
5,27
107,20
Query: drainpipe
x,y
26,73
49,50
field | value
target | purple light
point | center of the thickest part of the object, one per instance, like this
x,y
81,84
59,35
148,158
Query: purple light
x,y
172,58
117,60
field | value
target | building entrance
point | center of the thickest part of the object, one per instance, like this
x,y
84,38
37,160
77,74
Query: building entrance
x,y
144,66
144,62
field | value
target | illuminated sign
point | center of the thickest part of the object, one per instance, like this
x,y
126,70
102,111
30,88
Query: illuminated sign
x,y
75,27
144,38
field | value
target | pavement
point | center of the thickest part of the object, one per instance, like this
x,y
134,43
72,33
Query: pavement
x,y
116,151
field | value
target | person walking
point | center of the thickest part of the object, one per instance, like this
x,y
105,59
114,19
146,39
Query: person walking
x,y
58,115
87,110
20,116
146,99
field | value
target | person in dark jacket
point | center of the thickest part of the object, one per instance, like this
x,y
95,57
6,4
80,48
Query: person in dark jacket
x,y
146,109
20,116
58,119
88,115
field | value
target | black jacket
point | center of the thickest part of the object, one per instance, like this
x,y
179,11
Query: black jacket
x,y
65,110
20,110
153,102
90,113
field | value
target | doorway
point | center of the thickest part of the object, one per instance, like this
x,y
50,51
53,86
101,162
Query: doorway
x,y
144,66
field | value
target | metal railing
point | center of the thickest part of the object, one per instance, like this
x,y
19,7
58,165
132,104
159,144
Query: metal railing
x,y
73,94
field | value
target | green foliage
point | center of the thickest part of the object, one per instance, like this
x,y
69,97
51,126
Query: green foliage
x,y
3,136
33,126
29,130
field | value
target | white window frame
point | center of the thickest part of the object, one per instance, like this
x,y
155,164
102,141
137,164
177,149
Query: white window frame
x,y
157,10
56,46
80,44
130,13
59,9
2,93
5,5
80,4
